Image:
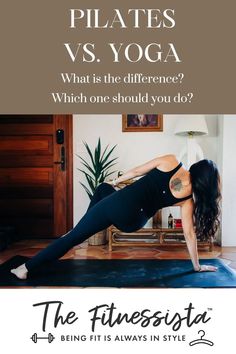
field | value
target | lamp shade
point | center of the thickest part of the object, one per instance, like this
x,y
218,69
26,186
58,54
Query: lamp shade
x,y
191,124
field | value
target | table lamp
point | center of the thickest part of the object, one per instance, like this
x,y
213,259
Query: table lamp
x,y
190,126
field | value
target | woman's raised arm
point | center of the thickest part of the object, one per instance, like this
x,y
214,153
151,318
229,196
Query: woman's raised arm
x,y
143,169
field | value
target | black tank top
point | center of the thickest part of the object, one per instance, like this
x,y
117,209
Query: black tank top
x,y
153,191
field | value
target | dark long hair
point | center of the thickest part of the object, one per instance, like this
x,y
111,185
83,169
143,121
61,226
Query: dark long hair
x,y
205,181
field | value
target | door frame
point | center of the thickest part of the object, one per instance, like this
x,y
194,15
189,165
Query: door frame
x,y
69,159
70,184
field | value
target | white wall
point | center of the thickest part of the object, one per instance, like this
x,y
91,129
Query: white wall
x,y
227,141
132,148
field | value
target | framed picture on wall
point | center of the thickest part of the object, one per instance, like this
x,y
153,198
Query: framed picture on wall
x,y
142,122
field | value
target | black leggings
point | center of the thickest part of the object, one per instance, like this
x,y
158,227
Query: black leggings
x,y
107,207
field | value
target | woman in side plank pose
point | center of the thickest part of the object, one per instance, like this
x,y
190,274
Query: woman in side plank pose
x,y
164,182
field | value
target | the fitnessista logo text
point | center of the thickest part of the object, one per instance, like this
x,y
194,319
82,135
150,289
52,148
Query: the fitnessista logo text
x,y
109,315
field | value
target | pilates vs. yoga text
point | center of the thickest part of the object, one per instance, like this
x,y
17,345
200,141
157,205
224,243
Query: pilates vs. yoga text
x,y
133,52
53,315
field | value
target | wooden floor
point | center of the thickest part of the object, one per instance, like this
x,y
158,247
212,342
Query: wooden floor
x,y
30,247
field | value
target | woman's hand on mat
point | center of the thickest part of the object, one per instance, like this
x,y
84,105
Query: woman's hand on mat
x,y
207,268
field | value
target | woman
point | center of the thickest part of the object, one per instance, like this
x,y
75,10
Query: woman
x,y
165,182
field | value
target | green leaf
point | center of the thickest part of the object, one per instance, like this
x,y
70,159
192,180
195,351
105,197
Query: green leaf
x,y
101,178
108,170
108,174
87,175
87,190
99,151
90,154
91,183
104,152
109,164
108,154
88,167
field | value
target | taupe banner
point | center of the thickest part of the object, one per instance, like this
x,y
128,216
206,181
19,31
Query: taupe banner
x,y
117,56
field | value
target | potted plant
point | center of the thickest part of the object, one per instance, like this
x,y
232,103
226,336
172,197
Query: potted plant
x,y
96,169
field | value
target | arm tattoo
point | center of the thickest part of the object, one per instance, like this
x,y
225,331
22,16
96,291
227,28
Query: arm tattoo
x,y
176,184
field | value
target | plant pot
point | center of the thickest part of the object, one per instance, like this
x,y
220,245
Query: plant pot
x,y
98,239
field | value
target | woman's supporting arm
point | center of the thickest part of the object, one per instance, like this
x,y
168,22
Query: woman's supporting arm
x,y
190,237
189,234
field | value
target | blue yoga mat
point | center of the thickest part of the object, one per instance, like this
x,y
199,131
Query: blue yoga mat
x,y
127,273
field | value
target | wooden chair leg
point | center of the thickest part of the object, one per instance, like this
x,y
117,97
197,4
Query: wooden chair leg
x,y
109,239
162,235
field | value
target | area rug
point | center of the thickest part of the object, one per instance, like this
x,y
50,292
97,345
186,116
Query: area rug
x,y
128,273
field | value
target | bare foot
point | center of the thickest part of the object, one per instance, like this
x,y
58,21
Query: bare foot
x,y
20,272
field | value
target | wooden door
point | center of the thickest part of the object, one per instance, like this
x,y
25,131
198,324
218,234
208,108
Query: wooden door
x,y
36,174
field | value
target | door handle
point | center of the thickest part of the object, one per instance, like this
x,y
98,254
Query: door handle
x,y
63,159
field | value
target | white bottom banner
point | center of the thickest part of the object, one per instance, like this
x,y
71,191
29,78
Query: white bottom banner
x,y
105,320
